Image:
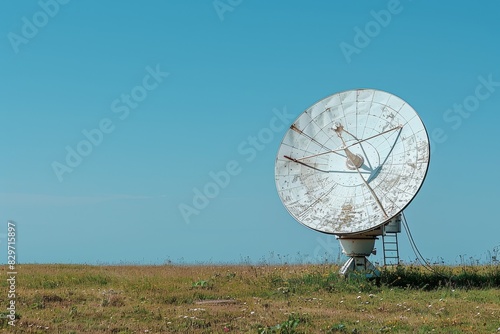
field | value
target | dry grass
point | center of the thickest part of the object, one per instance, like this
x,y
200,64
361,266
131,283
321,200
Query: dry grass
x,y
250,299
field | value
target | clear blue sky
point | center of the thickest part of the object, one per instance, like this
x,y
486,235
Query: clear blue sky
x,y
182,90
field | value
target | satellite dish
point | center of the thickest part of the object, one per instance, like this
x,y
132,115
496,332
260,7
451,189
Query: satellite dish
x,y
351,163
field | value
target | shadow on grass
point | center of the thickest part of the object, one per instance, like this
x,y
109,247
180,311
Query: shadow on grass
x,y
463,277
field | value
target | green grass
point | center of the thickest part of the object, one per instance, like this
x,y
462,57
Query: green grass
x,y
252,299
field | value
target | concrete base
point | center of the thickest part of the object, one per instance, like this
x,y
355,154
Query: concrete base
x,y
360,264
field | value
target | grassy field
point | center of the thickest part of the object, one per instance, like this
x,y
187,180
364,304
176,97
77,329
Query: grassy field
x,y
251,299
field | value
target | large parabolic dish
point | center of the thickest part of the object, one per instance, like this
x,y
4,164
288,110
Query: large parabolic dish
x,y
352,161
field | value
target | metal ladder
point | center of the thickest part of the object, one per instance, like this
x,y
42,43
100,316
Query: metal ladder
x,y
391,251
